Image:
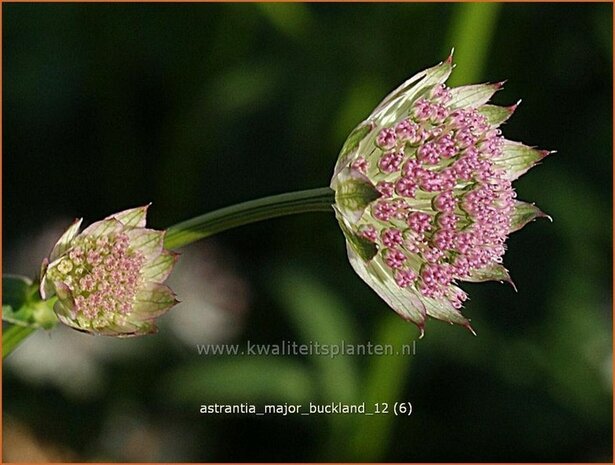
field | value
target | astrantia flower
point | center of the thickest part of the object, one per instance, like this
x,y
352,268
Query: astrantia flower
x,y
423,194
108,279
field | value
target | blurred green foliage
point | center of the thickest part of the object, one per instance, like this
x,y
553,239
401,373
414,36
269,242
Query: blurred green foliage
x,y
198,106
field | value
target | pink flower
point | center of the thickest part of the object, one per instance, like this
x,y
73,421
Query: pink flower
x,y
109,278
444,185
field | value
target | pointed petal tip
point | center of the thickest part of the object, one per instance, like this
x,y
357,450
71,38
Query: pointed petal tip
x,y
449,59
142,207
546,153
145,207
511,282
542,214
468,326
499,85
176,300
419,324
514,106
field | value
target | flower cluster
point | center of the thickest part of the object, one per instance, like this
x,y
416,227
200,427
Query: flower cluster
x,y
108,279
443,202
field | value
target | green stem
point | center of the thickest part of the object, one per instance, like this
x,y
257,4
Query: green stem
x,y
471,33
206,225
385,381
13,336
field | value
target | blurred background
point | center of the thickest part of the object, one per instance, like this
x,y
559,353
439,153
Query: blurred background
x,y
199,106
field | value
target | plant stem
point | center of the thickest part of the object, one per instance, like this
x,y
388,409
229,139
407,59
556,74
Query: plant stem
x,y
384,381
471,32
13,336
203,226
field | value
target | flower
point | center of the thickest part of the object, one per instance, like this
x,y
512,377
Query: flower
x,y
109,278
424,197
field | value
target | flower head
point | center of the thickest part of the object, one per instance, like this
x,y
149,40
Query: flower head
x,y
108,278
424,194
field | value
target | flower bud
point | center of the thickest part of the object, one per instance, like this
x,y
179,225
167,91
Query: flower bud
x,y
109,278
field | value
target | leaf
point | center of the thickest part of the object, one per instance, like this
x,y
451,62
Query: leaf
x,y
21,304
473,96
16,290
517,158
12,337
23,317
524,213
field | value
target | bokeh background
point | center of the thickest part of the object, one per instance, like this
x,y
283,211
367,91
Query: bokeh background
x,y
199,106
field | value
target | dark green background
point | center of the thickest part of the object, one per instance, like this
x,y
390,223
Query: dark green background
x,y
194,107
